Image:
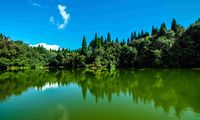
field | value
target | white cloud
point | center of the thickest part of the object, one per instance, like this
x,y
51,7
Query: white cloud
x,y
51,20
65,15
48,47
34,4
48,86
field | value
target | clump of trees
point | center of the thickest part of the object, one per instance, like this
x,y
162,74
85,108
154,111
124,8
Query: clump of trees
x,y
19,54
174,47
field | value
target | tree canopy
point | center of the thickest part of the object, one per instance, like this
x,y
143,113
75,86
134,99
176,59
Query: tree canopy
x,y
175,47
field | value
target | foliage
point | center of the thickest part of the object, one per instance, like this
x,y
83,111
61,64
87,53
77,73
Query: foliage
x,y
84,46
17,53
187,47
175,47
127,56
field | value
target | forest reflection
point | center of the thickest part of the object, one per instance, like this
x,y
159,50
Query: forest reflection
x,y
167,88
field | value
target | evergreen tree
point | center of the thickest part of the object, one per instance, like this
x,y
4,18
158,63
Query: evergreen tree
x,y
154,31
139,36
162,29
142,33
99,42
174,25
164,26
102,42
123,42
128,41
109,37
96,40
132,36
117,41
146,34
105,42
84,46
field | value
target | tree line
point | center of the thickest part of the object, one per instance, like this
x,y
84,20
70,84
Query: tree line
x,y
162,48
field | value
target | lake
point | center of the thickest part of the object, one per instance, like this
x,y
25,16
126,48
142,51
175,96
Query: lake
x,y
122,94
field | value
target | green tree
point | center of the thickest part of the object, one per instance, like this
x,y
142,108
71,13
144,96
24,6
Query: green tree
x,y
142,33
154,31
163,29
123,42
102,42
146,34
117,41
128,41
127,56
96,40
186,49
174,25
84,46
134,35
109,37
139,36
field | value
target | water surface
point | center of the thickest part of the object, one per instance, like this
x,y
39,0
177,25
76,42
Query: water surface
x,y
124,94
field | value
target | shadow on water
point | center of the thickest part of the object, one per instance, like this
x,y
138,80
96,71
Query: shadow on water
x,y
167,88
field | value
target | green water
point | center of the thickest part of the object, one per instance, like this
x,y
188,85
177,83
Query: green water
x,y
123,94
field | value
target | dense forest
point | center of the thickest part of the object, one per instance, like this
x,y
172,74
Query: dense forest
x,y
162,48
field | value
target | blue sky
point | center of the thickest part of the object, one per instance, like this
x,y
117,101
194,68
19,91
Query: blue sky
x,y
64,22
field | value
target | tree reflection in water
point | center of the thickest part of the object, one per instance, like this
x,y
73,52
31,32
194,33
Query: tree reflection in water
x,y
167,88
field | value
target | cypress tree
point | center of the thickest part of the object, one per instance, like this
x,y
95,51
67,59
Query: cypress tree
x,y
101,41
154,31
84,46
164,26
117,41
96,40
105,42
128,41
134,35
139,36
142,33
174,25
162,29
123,42
109,37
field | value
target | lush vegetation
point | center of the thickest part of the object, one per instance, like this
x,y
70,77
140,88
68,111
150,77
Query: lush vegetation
x,y
164,48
